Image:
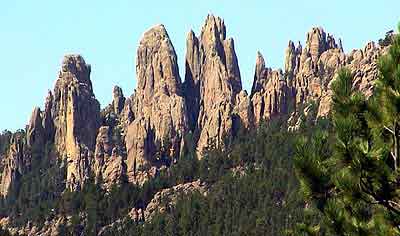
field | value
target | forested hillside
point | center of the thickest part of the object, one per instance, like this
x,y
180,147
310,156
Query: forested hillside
x,y
312,149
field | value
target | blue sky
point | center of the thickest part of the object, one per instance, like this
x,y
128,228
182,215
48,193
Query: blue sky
x,y
35,34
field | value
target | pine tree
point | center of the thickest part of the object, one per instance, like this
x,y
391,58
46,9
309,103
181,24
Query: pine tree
x,y
352,177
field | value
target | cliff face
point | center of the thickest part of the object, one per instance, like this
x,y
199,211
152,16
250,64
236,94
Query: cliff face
x,y
135,136
109,165
75,116
212,83
155,135
15,164
307,76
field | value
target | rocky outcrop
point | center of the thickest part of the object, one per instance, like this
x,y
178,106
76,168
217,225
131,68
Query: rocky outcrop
x,y
270,92
118,100
165,199
363,65
15,164
35,134
212,83
136,137
307,76
75,116
109,166
243,114
320,59
24,146
156,133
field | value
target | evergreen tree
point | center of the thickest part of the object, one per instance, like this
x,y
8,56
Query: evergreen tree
x,y
352,177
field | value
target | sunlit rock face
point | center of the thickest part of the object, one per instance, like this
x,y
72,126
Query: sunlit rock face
x,y
109,166
15,165
158,109
213,85
75,116
307,76
135,136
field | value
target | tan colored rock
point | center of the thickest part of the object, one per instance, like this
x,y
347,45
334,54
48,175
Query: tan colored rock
x,y
212,84
308,75
243,112
192,78
15,164
167,198
76,117
158,106
292,59
109,165
47,121
118,100
259,74
271,93
35,134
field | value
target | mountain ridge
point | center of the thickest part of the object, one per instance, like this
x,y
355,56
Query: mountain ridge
x,y
134,138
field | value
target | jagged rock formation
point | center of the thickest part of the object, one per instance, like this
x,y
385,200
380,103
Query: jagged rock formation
x,y
35,134
155,119
49,228
15,164
135,137
118,100
212,82
69,121
75,114
158,107
270,92
19,157
165,199
109,166
307,76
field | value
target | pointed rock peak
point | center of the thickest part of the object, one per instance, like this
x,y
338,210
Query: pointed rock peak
x,y
155,28
232,64
35,117
156,64
49,96
118,99
331,43
291,49
299,47
291,45
370,46
213,33
340,45
76,65
230,42
316,33
191,34
35,133
259,72
192,43
318,42
291,57
260,63
117,92
215,24
154,36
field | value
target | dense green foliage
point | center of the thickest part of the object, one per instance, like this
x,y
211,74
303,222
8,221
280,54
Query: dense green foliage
x,y
252,185
262,201
351,176
39,188
261,198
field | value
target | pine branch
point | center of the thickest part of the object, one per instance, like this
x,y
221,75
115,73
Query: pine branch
x,y
388,129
